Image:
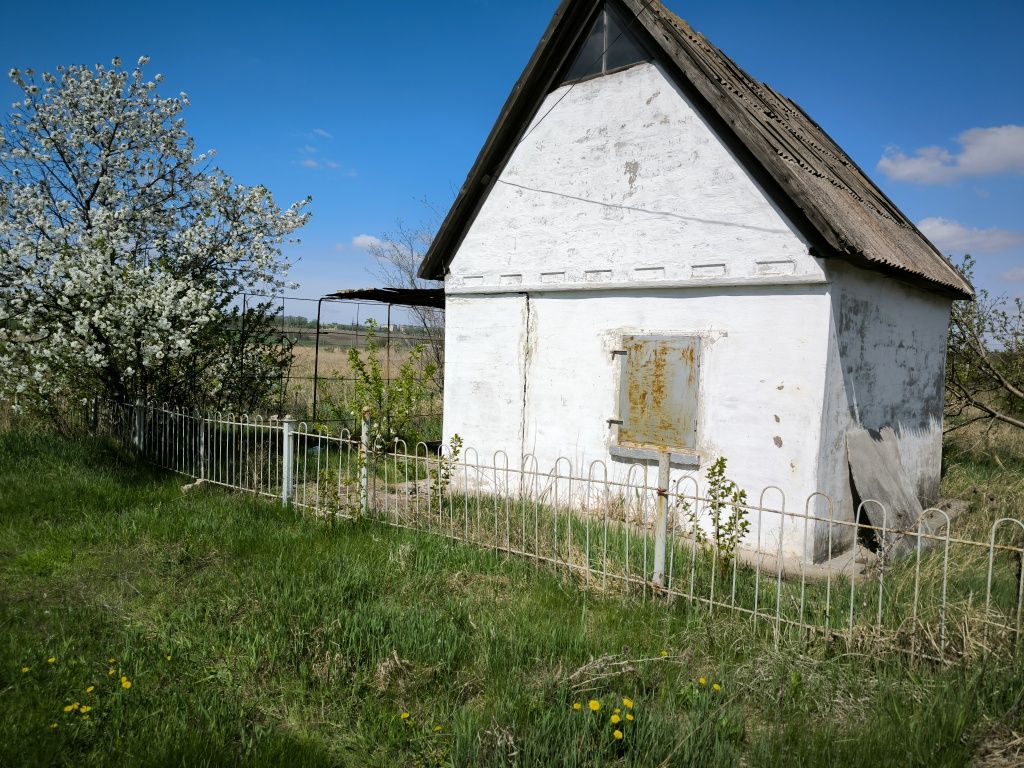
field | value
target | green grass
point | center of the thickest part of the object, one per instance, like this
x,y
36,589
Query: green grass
x,y
294,641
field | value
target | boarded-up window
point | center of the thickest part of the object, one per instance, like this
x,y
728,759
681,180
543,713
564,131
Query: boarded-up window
x,y
658,392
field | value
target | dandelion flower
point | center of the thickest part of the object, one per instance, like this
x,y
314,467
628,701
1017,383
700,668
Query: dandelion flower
x,y
664,654
615,719
25,669
168,658
627,702
577,706
111,672
52,660
438,728
617,734
594,705
702,681
716,687
53,726
85,717
90,689
404,716
111,661
125,682
84,708
629,717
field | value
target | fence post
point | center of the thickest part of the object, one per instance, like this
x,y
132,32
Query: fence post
x,y
661,521
287,458
201,422
138,425
364,460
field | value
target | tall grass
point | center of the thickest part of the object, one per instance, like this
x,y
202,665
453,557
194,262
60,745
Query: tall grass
x,y
254,635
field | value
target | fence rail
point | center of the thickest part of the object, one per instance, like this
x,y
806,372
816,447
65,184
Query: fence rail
x,y
945,588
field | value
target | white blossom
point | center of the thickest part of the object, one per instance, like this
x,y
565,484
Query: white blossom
x,y
118,246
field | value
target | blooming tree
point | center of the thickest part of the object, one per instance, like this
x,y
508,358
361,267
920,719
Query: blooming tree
x,y
123,252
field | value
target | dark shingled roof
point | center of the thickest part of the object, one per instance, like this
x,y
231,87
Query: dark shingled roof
x,y
827,196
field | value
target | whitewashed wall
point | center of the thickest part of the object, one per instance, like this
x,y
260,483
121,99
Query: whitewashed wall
x,y
623,183
621,212
886,365
761,378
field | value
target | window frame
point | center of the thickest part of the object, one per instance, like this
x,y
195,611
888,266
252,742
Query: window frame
x,y
603,14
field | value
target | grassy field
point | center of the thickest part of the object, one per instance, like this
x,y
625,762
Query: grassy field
x,y
142,626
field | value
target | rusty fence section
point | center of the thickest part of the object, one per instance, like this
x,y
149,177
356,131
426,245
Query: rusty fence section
x,y
942,589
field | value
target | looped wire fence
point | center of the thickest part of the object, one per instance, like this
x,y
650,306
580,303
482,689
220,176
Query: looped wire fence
x,y
949,591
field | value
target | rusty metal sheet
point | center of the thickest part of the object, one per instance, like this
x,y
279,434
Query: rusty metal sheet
x,y
658,392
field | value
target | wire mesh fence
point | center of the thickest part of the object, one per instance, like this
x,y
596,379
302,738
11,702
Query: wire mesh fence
x,y
940,589
321,333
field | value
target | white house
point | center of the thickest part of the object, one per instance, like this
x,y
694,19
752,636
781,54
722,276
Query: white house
x,y
654,252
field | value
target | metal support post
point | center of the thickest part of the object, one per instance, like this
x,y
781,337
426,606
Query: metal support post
x,y
364,460
139,425
201,421
287,458
661,521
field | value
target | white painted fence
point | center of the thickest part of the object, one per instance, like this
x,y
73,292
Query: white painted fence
x,y
956,588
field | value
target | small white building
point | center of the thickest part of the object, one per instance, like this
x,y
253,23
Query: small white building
x,y
656,252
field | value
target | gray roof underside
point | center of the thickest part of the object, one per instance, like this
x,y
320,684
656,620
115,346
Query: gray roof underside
x,y
827,196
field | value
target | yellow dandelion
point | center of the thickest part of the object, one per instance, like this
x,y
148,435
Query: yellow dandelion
x,y
404,716
664,654
615,719
125,682
84,708
438,728
617,734
627,703
616,710
85,717
577,706
702,681
168,658
629,717
716,687
25,669
52,660
53,726
111,672
71,707
111,660
90,689
594,705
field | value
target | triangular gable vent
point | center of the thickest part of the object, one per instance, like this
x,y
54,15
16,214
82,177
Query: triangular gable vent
x,y
608,47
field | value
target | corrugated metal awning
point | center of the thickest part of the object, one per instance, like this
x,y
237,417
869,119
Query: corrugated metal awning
x,y
406,297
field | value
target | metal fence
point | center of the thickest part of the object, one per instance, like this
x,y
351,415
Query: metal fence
x,y
319,382
955,587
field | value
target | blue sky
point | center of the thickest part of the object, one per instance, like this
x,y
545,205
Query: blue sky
x,y
378,110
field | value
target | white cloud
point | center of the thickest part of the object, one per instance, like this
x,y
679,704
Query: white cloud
x,y
983,152
1015,275
322,133
331,164
366,241
339,247
953,237
309,162
309,150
